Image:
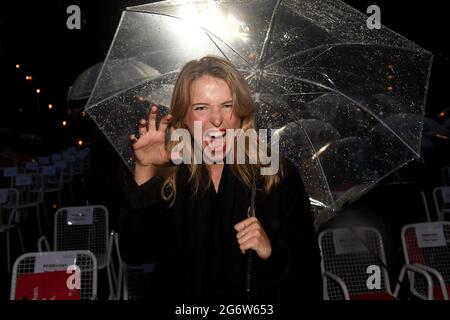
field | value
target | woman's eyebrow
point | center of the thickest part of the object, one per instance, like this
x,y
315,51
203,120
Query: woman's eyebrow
x,y
207,104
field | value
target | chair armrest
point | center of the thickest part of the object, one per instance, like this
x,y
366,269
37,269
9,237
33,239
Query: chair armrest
x,y
336,279
416,269
438,276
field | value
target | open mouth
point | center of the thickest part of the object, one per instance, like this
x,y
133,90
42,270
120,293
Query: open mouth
x,y
215,139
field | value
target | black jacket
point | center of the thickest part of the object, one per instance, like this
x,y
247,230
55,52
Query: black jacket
x,y
194,242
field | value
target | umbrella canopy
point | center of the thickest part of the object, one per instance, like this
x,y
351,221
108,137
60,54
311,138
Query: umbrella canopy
x,y
127,72
321,77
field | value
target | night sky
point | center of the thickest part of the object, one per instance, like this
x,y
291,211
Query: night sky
x,y
34,35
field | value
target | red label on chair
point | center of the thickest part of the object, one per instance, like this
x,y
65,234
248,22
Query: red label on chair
x,y
45,286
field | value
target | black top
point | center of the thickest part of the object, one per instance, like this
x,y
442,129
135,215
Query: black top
x,y
194,242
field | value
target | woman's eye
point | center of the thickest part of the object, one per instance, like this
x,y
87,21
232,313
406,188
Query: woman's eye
x,y
228,105
200,108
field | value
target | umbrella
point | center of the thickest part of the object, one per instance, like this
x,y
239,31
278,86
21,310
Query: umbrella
x,y
127,72
304,60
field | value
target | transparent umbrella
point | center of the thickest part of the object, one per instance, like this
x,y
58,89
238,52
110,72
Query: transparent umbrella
x,y
319,75
127,72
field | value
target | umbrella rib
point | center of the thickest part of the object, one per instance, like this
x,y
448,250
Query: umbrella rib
x,y
201,27
352,100
325,47
268,36
235,51
316,160
124,90
334,45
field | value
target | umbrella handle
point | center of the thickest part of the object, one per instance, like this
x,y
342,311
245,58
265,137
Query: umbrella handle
x,y
248,277
250,253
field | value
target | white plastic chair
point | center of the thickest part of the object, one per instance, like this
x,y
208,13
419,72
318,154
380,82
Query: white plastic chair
x,y
31,194
427,246
349,256
48,275
83,228
52,181
9,219
42,244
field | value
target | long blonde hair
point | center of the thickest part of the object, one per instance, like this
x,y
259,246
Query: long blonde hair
x,y
244,108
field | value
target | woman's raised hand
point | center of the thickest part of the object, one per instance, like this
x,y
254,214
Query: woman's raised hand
x,y
149,148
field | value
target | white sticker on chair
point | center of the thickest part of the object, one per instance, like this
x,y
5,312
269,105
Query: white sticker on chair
x,y
44,160
80,215
23,180
346,242
54,261
30,165
9,172
3,195
430,235
446,195
49,170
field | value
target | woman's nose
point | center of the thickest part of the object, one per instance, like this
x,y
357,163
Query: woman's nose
x,y
216,118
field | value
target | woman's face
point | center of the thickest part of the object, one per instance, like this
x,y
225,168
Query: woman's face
x,y
211,108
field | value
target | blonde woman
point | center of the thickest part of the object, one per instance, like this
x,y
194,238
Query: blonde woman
x,y
192,220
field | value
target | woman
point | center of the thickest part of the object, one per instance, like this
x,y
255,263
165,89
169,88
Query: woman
x,y
192,219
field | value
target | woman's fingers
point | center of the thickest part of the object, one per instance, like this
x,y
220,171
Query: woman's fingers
x,y
248,229
152,118
142,127
133,138
165,122
251,243
244,223
255,233
251,235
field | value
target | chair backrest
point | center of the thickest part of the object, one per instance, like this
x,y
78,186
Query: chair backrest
x,y
441,197
52,178
30,187
428,244
83,228
62,275
9,198
351,254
